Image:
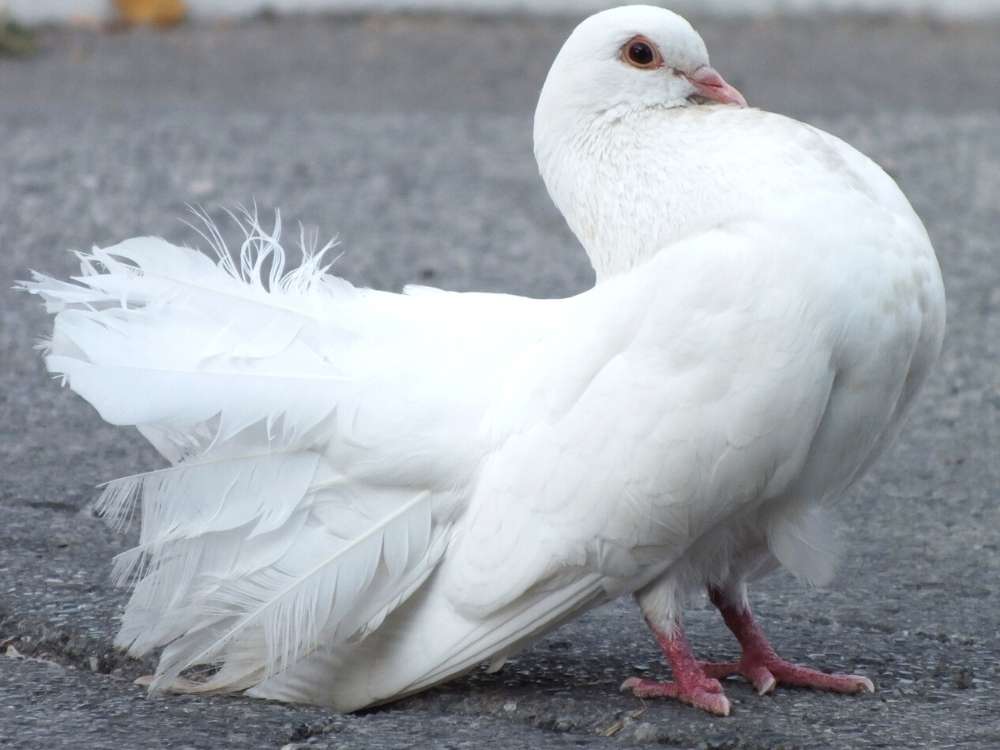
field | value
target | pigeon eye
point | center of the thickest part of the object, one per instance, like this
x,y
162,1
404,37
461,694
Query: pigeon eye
x,y
639,52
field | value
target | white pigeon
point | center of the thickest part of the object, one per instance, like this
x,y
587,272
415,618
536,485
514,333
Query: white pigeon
x,y
370,493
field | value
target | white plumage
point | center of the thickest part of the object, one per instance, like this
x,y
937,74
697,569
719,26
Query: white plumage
x,y
369,493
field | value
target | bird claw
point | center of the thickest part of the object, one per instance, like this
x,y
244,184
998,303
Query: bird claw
x,y
762,680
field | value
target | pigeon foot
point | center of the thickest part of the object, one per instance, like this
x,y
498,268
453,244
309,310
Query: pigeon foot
x,y
691,685
762,667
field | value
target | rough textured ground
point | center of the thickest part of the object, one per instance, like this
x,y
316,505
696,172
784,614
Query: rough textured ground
x,y
411,138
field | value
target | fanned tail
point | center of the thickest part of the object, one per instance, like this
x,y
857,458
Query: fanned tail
x,y
274,529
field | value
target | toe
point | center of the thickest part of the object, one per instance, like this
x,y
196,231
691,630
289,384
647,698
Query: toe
x,y
641,688
792,674
707,695
721,670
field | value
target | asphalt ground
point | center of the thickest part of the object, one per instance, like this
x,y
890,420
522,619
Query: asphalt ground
x,y
410,138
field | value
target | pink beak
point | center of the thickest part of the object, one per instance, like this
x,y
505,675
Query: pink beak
x,y
709,84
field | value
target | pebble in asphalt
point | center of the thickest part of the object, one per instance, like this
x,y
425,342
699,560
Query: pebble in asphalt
x,y
410,136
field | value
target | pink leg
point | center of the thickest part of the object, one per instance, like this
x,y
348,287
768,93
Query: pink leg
x,y
690,684
762,666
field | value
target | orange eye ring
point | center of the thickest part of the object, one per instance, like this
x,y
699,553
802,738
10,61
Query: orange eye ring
x,y
641,53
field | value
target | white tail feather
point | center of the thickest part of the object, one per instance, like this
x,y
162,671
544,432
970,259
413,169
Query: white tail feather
x,y
303,600
197,496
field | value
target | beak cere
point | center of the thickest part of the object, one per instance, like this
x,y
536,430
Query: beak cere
x,y
710,85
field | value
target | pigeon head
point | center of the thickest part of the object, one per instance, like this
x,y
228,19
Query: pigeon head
x,y
631,58
622,79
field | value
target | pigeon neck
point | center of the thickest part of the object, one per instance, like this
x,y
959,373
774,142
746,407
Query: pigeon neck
x,y
628,186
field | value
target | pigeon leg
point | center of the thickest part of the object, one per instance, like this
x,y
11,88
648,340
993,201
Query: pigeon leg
x,y
690,684
761,666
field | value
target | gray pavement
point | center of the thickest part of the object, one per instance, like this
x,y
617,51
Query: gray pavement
x,y
410,137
